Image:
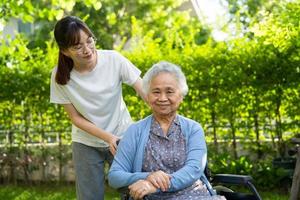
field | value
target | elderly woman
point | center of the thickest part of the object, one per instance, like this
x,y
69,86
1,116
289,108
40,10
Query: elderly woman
x,y
164,155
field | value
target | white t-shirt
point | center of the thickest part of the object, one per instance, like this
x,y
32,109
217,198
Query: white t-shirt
x,y
97,95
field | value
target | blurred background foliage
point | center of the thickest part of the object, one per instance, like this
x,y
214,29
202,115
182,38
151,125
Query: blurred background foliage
x,y
244,90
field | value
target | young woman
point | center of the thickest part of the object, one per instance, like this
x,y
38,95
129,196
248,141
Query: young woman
x,y
88,83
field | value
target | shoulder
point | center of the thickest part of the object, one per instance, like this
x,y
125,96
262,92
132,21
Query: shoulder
x,y
54,70
136,130
141,124
109,53
111,56
188,121
53,73
189,125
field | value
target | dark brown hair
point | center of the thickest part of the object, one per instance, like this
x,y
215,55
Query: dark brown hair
x,y
67,34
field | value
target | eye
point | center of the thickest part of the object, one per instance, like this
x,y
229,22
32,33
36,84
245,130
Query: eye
x,y
90,40
77,47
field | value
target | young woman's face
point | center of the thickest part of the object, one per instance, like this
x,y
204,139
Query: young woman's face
x,y
164,95
84,53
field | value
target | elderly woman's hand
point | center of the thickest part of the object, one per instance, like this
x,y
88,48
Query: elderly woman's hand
x,y
160,180
141,188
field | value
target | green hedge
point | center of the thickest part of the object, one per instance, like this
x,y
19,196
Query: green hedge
x,y
244,88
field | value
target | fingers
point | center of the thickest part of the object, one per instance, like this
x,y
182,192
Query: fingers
x,y
140,189
138,194
200,186
113,144
161,183
113,150
160,180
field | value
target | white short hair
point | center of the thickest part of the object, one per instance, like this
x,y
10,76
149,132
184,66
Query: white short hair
x,y
167,67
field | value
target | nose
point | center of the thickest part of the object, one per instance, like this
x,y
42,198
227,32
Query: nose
x,y
86,48
162,97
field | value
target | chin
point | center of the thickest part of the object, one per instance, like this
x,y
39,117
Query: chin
x,y
92,57
166,113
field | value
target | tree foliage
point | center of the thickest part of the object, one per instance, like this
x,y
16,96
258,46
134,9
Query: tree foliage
x,y
244,90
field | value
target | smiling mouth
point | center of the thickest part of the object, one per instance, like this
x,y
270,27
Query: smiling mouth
x,y
163,105
88,56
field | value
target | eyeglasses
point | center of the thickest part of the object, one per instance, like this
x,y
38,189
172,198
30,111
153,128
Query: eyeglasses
x,y
79,48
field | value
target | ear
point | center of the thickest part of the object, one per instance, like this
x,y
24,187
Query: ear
x,y
181,100
65,52
146,99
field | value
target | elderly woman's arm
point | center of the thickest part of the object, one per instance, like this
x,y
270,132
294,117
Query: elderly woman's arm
x,y
195,163
122,171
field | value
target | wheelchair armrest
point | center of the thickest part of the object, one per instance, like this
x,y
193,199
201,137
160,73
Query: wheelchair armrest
x,y
295,140
232,179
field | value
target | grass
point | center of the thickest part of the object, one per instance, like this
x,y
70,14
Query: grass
x,y
46,192
273,195
67,192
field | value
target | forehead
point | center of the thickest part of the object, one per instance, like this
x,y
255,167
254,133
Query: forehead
x,y
83,35
78,37
164,79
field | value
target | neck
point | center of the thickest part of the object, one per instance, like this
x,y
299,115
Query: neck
x,y
86,67
165,121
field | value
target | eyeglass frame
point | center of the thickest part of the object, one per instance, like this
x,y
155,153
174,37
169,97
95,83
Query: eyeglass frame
x,y
79,48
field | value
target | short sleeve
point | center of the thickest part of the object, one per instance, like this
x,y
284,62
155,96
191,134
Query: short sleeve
x,y
57,94
129,72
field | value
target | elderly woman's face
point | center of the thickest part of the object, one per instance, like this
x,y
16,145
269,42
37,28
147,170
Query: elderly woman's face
x,y
164,95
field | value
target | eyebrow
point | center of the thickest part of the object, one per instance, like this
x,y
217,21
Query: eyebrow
x,y
153,89
167,88
80,43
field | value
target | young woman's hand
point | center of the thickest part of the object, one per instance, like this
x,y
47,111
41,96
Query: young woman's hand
x,y
113,144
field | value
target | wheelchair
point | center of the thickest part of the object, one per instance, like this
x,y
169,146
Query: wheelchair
x,y
239,180
291,167
295,189
220,183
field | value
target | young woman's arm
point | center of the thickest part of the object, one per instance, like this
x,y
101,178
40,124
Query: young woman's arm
x,y
138,88
79,121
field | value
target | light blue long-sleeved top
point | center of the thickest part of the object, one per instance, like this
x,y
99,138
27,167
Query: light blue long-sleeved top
x,y
126,168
